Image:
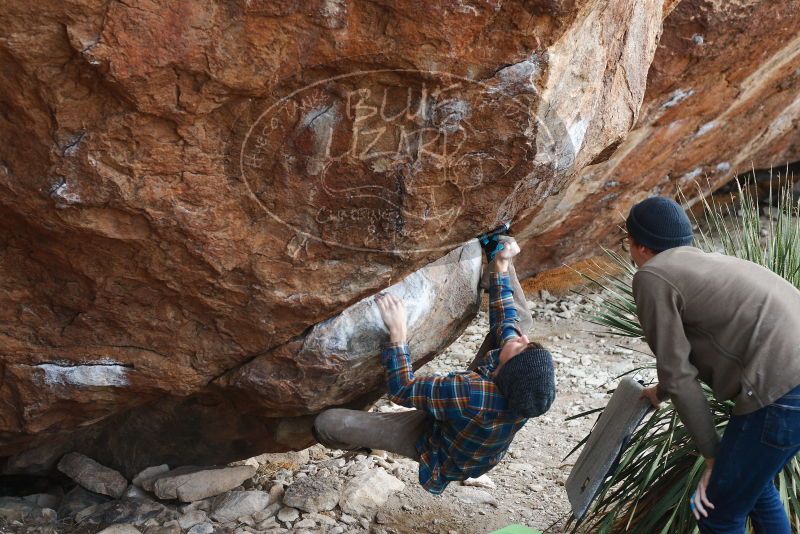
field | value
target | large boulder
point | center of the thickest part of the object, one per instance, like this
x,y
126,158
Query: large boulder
x,y
723,97
338,356
198,200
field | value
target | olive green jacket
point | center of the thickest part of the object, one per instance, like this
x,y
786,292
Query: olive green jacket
x,y
729,322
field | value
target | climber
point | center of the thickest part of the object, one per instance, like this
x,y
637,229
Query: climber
x,y
735,326
463,422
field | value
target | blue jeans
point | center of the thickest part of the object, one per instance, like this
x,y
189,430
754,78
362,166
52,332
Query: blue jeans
x,y
753,450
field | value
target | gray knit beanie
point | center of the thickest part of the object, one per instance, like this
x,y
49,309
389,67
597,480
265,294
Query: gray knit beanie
x,y
659,223
528,382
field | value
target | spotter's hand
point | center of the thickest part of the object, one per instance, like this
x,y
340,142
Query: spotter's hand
x,y
651,394
698,502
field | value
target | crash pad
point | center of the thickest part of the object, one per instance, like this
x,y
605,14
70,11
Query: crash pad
x,y
616,424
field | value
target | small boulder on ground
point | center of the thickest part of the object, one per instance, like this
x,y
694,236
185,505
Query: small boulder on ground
x,y
287,514
92,475
190,483
321,519
367,492
121,528
276,492
202,528
191,518
18,509
78,499
470,495
135,492
169,528
133,511
148,474
235,504
45,500
312,494
305,523
482,481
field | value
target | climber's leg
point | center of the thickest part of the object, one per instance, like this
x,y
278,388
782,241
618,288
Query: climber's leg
x,y
396,432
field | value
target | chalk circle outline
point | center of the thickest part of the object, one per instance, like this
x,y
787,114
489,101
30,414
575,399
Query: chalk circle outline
x,y
331,243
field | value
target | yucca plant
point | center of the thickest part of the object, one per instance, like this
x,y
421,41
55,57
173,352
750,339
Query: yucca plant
x,y
658,471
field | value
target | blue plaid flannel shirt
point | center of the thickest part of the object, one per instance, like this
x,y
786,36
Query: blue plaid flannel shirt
x,y
471,425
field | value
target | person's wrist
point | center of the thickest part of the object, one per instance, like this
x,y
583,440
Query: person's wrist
x,y
501,265
397,336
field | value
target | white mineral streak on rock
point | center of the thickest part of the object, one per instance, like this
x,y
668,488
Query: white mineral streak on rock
x,y
65,194
511,78
676,97
723,167
101,374
559,207
690,176
434,297
765,74
707,127
359,330
780,126
577,131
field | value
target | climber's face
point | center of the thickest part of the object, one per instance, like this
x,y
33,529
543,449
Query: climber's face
x,y
512,347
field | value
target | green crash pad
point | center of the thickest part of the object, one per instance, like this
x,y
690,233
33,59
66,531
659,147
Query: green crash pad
x,y
516,529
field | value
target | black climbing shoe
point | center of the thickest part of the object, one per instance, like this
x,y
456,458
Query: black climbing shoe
x,y
316,435
490,242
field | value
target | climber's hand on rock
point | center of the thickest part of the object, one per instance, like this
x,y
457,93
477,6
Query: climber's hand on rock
x,y
510,247
503,258
393,314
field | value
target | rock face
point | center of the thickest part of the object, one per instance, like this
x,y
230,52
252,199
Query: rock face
x,y
198,201
723,97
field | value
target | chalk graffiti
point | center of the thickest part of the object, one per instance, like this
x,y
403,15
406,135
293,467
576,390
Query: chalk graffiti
x,y
387,156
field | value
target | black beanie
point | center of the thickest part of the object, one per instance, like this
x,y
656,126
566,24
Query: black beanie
x,y
528,382
659,223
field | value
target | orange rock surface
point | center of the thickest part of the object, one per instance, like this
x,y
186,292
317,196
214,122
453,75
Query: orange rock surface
x,y
191,192
723,97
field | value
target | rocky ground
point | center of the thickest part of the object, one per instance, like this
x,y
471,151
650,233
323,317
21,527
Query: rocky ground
x,y
324,491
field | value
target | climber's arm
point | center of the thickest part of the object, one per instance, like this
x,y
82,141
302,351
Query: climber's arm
x,y
444,397
441,396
